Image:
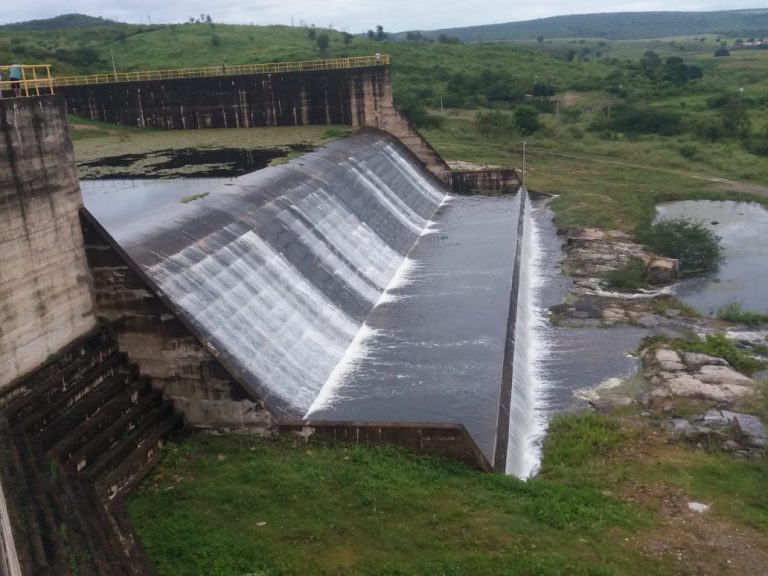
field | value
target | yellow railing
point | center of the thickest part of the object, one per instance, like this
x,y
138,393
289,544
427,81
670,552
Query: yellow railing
x,y
306,65
24,80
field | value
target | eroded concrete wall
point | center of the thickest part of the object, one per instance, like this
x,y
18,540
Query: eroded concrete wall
x,y
45,292
161,345
357,96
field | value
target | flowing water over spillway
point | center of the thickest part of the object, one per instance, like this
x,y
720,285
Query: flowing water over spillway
x,y
345,285
348,285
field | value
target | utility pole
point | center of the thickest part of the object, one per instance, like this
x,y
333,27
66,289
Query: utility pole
x,y
114,68
522,178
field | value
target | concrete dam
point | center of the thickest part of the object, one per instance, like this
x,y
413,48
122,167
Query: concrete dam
x,y
345,286
349,294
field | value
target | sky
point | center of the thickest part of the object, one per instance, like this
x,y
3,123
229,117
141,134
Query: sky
x,y
352,15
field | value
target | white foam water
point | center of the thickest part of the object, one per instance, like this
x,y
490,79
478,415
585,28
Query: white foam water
x,y
527,419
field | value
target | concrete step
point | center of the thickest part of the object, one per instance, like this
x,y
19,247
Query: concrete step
x,y
55,384
132,470
101,444
85,385
87,409
104,415
148,429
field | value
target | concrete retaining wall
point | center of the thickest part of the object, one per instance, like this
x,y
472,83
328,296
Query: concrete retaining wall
x,y
446,440
490,180
357,96
156,339
45,293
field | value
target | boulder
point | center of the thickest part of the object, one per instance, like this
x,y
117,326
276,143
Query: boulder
x,y
696,360
669,360
722,376
662,270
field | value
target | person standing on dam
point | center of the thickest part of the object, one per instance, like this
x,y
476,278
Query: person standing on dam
x,y
14,75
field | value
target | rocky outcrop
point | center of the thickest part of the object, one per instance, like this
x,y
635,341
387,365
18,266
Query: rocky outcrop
x,y
674,374
594,252
742,434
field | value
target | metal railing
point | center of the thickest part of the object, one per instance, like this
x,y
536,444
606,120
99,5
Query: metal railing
x,y
274,67
25,80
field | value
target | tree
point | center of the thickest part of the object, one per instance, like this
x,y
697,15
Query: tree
x,y
695,246
539,38
526,120
322,42
311,32
346,38
380,34
650,62
722,51
371,35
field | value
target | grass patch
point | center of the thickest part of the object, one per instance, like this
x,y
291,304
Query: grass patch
x,y
234,505
733,312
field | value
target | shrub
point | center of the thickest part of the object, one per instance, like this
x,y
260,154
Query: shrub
x,y
694,245
630,276
733,312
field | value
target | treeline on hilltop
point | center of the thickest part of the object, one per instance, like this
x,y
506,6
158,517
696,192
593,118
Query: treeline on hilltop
x,y
618,26
63,22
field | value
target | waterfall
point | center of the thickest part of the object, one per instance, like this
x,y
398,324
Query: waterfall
x,y
277,271
526,419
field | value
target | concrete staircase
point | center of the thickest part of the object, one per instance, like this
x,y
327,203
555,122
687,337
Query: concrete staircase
x,y
77,435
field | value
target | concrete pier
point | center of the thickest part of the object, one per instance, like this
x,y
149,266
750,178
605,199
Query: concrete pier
x,y
45,292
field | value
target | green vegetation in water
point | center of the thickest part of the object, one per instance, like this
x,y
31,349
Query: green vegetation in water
x,y
192,197
630,276
733,312
694,245
665,303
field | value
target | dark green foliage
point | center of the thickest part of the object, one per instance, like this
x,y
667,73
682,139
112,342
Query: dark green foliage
x,y
216,40
630,276
494,123
311,32
733,312
410,105
630,119
695,246
323,41
527,120
445,39
722,51
346,37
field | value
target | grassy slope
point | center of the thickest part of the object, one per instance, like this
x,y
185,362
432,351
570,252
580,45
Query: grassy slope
x,y
627,175
235,505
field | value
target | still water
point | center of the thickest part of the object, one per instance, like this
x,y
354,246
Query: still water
x,y
743,273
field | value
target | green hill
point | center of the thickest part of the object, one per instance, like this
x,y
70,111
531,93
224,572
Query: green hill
x,y
63,22
617,26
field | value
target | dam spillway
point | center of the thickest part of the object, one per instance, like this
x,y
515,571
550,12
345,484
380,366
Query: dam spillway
x,y
346,285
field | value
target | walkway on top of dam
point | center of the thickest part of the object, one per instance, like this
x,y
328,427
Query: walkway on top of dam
x,y
345,285
224,70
